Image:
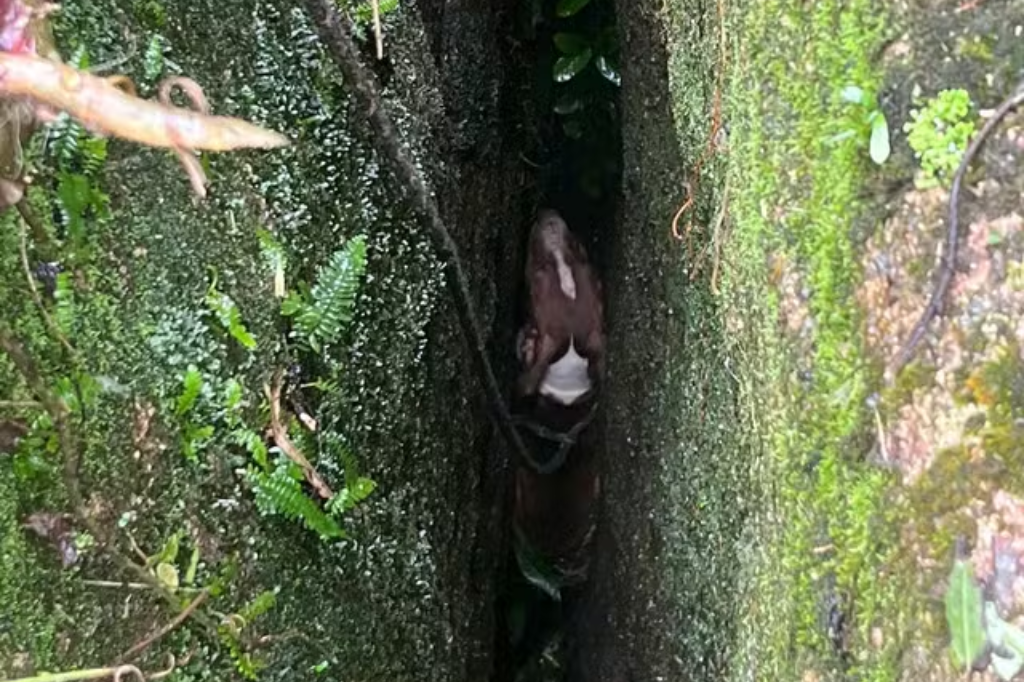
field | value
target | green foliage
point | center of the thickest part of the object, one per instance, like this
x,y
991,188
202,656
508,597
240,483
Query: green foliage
x,y
64,296
567,8
192,385
581,86
258,606
80,201
362,15
229,316
231,631
195,434
322,316
872,123
798,202
577,50
939,133
351,495
975,627
153,60
280,493
364,10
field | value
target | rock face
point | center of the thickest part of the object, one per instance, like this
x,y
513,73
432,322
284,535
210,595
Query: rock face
x,y
408,595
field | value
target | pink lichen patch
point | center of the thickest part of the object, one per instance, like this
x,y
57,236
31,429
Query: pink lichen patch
x,y
984,312
897,266
998,557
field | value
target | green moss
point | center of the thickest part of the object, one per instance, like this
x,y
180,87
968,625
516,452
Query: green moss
x,y
27,627
938,133
140,257
979,47
801,199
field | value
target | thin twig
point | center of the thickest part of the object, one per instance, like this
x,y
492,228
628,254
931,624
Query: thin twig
x,y
174,623
47,318
948,264
880,428
336,33
711,147
282,440
172,663
716,238
88,674
378,33
128,585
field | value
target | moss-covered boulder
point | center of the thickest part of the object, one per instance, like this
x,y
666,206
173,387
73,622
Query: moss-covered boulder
x,y
167,393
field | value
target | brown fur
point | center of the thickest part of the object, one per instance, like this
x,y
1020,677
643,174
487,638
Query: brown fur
x,y
557,512
554,317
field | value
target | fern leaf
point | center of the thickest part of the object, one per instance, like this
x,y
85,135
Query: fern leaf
x,y
230,317
258,606
334,293
276,494
192,386
153,62
351,495
364,11
321,317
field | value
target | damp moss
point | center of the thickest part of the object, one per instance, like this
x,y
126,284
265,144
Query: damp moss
x,y
829,531
937,507
391,602
978,47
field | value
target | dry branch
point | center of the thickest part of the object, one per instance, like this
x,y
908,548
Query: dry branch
x,y
948,264
282,440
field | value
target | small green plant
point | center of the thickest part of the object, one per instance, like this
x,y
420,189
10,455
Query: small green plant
x,y
195,434
362,15
323,314
231,631
277,484
578,51
871,121
227,312
975,628
279,491
938,133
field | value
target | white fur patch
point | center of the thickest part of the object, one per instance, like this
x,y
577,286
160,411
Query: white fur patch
x,y
553,238
567,379
565,279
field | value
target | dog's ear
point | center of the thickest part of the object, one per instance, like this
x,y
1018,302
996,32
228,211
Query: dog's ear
x,y
529,381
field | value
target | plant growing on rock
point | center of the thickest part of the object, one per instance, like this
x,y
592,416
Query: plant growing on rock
x,y
976,628
939,133
873,119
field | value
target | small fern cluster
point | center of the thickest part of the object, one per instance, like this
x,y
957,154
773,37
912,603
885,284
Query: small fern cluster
x,y
322,315
279,491
230,632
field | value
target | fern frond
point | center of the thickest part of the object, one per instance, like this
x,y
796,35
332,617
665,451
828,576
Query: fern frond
x,y
258,606
350,496
153,61
324,317
280,494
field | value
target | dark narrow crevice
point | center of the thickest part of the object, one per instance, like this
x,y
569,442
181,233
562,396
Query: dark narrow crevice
x,y
566,138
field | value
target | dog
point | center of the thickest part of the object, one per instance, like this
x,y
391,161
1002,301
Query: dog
x,y
561,350
562,344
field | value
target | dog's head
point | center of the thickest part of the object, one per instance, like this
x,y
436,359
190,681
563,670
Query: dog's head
x,y
562,346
